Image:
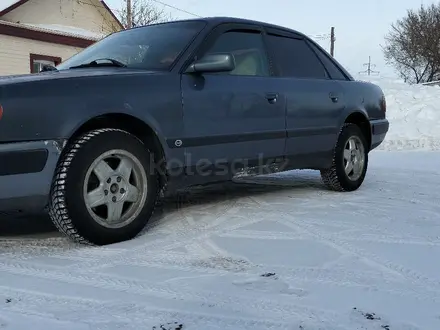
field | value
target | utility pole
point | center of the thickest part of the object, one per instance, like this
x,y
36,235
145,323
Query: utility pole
x,y
370,67
129,15
332,41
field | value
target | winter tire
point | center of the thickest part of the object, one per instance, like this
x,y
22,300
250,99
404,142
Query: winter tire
x,y
350,160
105,189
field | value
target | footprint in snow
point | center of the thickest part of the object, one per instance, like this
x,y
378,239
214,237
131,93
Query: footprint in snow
x,y
370,320
169,326
270,283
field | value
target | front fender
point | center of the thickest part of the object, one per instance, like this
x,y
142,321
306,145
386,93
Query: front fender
x,y
70,128
55,109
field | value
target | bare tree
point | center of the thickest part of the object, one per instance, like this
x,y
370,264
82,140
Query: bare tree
x,y
143,12
413,45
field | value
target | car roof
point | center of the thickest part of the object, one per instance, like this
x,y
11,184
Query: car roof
x,y
216,20
220,20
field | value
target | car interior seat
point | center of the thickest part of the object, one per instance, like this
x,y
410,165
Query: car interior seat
x,y
248,64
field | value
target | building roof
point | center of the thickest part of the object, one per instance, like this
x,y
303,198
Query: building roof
x,y
8,5
56,29
42,33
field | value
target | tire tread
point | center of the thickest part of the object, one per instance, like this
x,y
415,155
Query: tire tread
x,y
330,176
58,210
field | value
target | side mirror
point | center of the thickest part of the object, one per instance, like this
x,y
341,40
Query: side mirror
x,y
213,63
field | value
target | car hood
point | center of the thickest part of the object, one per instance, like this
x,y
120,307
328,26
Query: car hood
x,y
68,74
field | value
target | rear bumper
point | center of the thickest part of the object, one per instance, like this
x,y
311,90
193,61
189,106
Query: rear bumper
x,y
379,129
26,172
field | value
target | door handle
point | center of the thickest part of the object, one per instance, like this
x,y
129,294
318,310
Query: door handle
x,y
272,97
334,97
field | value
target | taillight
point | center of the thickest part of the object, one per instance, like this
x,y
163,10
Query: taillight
x,y
1,112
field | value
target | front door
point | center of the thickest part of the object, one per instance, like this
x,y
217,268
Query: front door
x,y
235,118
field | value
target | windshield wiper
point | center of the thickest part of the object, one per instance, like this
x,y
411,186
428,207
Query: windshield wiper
x,y
100,62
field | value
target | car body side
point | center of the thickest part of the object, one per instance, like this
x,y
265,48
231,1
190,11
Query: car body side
x,y
46,111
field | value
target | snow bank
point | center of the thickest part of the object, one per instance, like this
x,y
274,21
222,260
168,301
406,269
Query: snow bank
x,y
414,115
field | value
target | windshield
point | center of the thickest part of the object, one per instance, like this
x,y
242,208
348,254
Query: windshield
x,y
153,47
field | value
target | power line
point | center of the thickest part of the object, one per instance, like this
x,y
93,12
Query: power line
x,y
326,36
172,7
321,36
370,68
156,1
176,8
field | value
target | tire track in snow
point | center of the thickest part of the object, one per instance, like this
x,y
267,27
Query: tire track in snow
x,y
23,301
419,280
215,225
362,232
67,250
368,281
394,240
343,241
252,303
421,283
266,235
182,262
25,248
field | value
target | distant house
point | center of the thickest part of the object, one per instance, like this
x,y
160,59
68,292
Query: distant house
x,y
38,32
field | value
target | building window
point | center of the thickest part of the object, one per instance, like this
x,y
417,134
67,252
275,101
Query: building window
x,y
38,61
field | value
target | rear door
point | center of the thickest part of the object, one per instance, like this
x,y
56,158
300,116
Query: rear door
x,y
314,100
236,117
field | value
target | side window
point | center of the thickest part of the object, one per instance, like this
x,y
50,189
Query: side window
x,y
248,50
333,70
294,58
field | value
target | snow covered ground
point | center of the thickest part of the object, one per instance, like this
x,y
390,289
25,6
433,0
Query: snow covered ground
x,y
414,113
282,254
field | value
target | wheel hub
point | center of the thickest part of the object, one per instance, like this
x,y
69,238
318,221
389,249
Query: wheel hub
x,y
114,188
353,158
117,187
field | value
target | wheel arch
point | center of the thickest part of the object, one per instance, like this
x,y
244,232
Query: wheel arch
x,y
361,120
131,124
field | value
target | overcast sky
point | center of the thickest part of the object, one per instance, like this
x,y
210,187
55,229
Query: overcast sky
x,y
359,26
